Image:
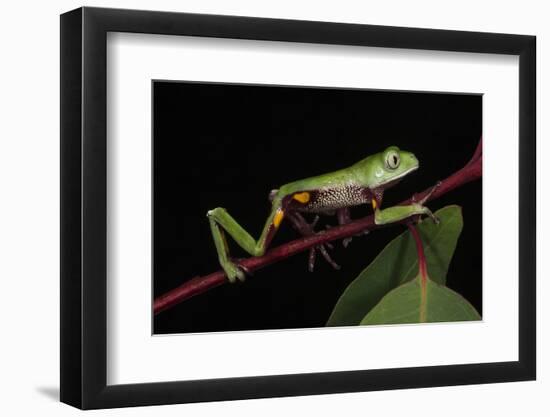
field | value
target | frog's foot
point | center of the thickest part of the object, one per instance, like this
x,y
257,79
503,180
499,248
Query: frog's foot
x,y
235,272
343,216
420,203
427,196
347,240
422,210
313,255
434,218
308,229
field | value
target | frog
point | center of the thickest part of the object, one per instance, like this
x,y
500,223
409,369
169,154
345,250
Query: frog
x,y
327,194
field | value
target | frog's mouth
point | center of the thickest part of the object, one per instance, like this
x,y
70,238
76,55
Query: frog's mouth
x,y
398,179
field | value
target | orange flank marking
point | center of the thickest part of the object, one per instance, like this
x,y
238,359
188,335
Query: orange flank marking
x,y
374,204
301,197
278,217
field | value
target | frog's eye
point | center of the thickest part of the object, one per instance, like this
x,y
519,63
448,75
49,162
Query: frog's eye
x,y
392,160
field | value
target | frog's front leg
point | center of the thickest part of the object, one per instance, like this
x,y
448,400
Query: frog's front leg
x,y
398,213
343,217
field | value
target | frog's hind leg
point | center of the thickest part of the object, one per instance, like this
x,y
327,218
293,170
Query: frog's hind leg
x,y
221,222
307,229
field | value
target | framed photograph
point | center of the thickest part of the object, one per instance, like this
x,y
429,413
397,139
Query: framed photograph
x,y
257,208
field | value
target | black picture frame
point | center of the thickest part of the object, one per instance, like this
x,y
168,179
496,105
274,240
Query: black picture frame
x,y
83,207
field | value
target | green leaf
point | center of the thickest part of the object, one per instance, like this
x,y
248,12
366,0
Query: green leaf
x,y
397,264
413,303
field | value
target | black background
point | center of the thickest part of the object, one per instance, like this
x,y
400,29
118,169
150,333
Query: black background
x,y
229,145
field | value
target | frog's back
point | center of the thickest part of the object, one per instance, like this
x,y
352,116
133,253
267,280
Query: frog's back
x,y
330,180
325,193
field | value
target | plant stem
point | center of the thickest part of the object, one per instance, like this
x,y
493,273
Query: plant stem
x,y
197,285
422,269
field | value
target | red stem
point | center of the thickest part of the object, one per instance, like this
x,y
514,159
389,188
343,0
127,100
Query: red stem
x,y
470,172
422,269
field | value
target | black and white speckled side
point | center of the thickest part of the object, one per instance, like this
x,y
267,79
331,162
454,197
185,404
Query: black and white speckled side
x,y
328,199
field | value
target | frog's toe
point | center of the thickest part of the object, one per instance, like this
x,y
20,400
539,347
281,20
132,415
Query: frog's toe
x,y
234,272
321,248
347,240
432,216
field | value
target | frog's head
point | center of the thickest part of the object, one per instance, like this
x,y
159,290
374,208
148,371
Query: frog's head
x,y
386,168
